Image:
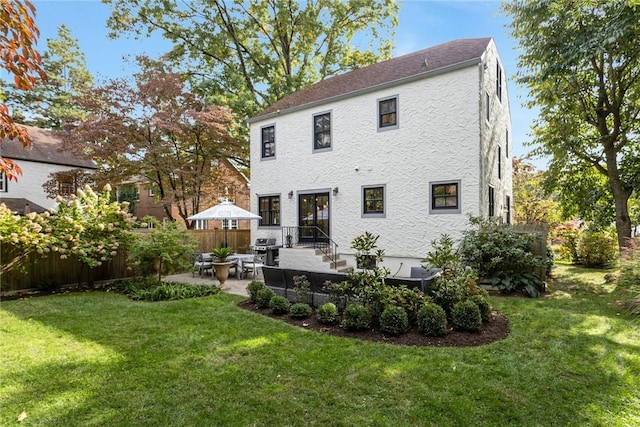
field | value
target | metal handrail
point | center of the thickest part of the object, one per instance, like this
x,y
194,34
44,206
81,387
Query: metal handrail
x,y
313,238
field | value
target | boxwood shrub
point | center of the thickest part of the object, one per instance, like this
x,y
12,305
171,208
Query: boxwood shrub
x,y
356,318
466,317
252,289
300,310
263,297
394,320
327,314
279,305
484,306
432,320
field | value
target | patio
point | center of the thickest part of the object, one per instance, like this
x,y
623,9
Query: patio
x,y
233,285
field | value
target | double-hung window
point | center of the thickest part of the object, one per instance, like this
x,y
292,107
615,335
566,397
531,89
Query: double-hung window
x,y
388,113
269,207
268,140
322,131
373,201
445,197
499,162
499,81
492,201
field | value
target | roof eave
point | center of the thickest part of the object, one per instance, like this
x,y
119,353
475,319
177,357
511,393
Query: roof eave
x,y
392,83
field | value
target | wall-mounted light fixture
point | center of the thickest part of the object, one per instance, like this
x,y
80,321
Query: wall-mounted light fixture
x,y
290,194
335,191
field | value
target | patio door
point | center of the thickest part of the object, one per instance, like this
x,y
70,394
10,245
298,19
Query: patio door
x,y
314,215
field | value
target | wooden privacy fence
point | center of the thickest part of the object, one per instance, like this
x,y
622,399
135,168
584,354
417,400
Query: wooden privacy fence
x,y
51,271
539,246
238,240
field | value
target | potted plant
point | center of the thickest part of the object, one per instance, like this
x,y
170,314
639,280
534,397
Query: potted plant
x,y
221,264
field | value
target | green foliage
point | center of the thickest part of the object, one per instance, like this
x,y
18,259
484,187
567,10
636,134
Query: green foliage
x,y
484,307
466,316
597,248
526,282
453,286
532,204
568,233
279,305
367,253
147,289
327,314
263,297
301,288
409,299
356,317
491,247
432,320
221,253
443,254
300,310
252,289
394,321
165,246
278,47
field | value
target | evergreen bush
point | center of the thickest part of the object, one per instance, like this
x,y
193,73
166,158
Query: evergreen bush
x,y
300,310
252,289
483,306
356,317
263,297
279,305
327,314
432,320
394,321
597,248
466,317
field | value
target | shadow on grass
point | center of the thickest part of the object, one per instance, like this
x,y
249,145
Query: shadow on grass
x,y
205,361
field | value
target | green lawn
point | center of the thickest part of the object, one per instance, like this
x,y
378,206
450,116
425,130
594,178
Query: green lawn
x,y
99,359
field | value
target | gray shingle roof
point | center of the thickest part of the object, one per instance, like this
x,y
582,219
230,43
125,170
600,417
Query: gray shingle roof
x,y
46,148
413,65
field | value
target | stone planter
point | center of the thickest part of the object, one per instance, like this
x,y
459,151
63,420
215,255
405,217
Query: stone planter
x,y
222,272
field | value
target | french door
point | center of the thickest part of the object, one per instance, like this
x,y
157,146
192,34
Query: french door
x,y
313,211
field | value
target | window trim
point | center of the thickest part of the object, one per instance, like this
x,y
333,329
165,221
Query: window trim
x,y
262,142
508,210
499,162
317,149
363,212
487,107
433,210
396,125
271,197
506,144
491,199
498,81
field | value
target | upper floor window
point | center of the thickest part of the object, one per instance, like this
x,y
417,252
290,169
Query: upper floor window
x,y
499,81
488,105
268,141
388,113
492,201
322,131
445,197
4,187
373,200
269,207
499,162
66,185
506,144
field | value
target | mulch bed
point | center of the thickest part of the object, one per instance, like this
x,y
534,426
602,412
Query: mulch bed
x,y
495,330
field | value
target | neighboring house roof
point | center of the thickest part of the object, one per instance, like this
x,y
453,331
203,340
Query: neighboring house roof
x,y
21,206
433,60
46,147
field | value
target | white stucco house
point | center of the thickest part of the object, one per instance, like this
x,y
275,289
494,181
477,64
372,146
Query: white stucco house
x,y
38,162
407,149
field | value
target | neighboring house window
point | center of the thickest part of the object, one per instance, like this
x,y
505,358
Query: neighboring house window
x,y
268,141
66,185
4,187
492,202
373,201
230,224
269,207
322,131
201,224
499,81
388,113
508,203
499,162
445,197
488,102
151,192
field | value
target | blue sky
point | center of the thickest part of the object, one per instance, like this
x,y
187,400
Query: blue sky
x,y
422,23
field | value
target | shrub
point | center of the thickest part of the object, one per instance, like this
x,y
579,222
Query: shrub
x,y
453,286
263,297
356,318
327,314
301,287
483,306
279,305
492,247
252,289
597,248
444,255
409,299
432,320
466,317
526,282
300,310
394,321
147,289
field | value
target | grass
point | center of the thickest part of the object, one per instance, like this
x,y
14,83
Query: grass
x,y
95,359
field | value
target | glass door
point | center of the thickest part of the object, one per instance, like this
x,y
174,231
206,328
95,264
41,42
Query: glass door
x,y
313,213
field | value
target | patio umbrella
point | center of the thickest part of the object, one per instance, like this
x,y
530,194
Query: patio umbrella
x,y
225,211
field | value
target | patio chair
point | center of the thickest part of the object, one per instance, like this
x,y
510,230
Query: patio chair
x,y
427,276
254,265
202,262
